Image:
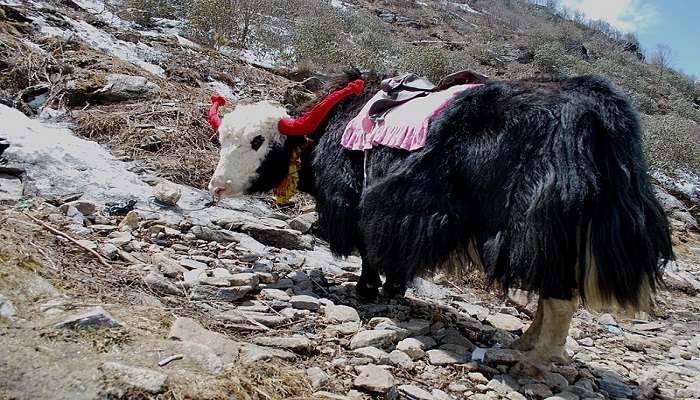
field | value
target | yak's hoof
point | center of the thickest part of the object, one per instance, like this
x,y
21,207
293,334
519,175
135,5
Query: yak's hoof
x,y
366,292
545,357
393,290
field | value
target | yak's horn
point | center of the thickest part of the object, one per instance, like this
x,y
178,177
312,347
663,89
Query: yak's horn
x,y
309,121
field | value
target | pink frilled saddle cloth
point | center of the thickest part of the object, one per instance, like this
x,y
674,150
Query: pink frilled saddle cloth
x,y
404,125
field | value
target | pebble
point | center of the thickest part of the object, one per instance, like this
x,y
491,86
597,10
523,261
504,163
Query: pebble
x,y
401,359
244,279
133,378
206,292
194,276
537,390
192,264
414,347
477,377
305,302
614,387
93,318
501,356
317,377
413,392
341,314
297,344
378,338
506,322
374,379
167,193
159,284
275,294
379,356
109,251
444,357
606,319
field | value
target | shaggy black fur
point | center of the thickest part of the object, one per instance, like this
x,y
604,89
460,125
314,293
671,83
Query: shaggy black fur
x,y
523,170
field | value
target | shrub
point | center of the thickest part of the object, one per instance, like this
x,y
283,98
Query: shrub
x,y
671,142
551,57
223,22
431,62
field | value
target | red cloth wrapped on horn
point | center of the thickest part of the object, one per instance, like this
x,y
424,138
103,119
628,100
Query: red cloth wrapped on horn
x,y
213,115
309,121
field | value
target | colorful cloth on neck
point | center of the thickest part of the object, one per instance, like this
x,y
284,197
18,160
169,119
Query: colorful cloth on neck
x,y
403,127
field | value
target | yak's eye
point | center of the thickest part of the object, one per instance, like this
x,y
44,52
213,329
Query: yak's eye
x,y
257,142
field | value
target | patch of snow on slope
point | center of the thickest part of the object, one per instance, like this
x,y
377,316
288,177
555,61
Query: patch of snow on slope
x,y
682,181
59,163
464,7
137,54
101,11
222,89
339,4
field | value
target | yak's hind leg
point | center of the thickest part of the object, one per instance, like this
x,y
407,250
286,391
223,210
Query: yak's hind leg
x,y
527,341
549,344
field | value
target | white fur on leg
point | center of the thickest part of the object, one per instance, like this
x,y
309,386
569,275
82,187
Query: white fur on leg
x,y
529,337
550,345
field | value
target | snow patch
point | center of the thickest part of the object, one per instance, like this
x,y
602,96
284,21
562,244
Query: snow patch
x,y
682,181
100,10
222,89
137,54
59,163
339,4
464,7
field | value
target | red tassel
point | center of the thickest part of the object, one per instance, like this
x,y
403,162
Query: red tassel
x,y
307,123
213,115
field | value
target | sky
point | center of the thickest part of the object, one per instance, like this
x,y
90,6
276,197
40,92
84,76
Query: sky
x,y
672,22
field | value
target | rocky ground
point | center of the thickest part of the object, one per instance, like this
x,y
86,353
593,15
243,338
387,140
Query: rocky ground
x,y
191,301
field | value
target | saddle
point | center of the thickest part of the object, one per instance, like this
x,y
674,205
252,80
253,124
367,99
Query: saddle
x,y
402,89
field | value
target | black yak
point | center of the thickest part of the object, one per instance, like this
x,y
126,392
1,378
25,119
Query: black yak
x,y
541,183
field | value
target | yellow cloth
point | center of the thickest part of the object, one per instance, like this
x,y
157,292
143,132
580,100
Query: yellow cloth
x,y
289,185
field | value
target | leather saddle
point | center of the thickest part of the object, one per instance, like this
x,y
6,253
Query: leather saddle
x,y
401,89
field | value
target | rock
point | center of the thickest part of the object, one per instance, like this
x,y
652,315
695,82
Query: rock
x,y
444,357
412,392
277,237
297,344
416,327
244,317
304,222
415,347
275,294
374,379
251,354
305,302
132,378
515,396
73,213
614,387
130,221
93,318
369,338
11,187
189,330
401,359
503,384
501,357
506,322
536,390
85,207
440,395
474,310
377,355
7,310
477,377
159,284
194,277
340,314
563,396
167,193
556,381
317,377
244,279
121,87
588,342
109,251
211,235
606,319
205,292
192,264
453,336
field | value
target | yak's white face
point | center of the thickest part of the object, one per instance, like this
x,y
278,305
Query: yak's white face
x,y
246,135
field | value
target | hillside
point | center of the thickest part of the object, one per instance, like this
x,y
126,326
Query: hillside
x,y
106,293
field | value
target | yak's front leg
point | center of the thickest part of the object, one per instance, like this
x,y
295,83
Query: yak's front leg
x,y
368,285
547,343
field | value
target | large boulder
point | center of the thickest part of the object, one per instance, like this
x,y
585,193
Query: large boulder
x,y
126,87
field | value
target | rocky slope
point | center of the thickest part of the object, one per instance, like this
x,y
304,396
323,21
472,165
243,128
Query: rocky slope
x,y
149,300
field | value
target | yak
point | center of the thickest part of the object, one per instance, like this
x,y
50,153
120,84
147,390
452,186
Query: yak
x,y
542,183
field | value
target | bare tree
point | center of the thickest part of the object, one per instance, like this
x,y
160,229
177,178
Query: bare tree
x,y
661,56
